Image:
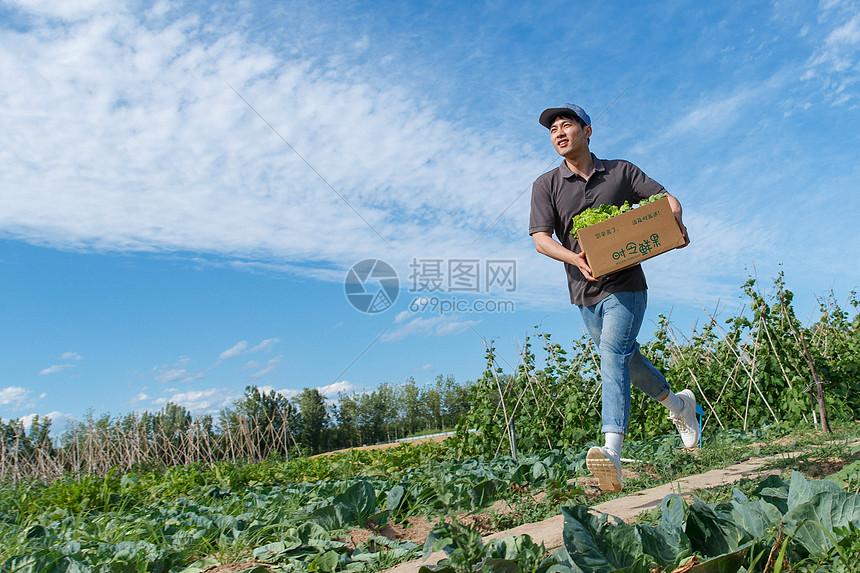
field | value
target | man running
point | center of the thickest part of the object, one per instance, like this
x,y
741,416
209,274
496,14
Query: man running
x,y
613,305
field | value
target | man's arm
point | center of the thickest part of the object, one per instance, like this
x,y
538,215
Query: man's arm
x,y
677,211
546,245
643,186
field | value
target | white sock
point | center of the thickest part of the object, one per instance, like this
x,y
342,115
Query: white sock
x,y
613,443
673,402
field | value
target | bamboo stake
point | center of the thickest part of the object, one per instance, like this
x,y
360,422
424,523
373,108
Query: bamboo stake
x,y
504,409
552,404
819,394
754,383
730,378
702,394
532,380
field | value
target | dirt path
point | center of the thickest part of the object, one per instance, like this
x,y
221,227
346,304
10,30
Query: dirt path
x,y
549,531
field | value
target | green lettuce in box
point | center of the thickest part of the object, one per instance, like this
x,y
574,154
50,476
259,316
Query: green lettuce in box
x,y
625,237
594,215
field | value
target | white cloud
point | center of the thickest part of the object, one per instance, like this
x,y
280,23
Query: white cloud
x,y
716,114
264,345
403,316
67,356
55,368
434,326
287,393
151,150
236,350
241,348
177,373
58,420
834,65
177,376
66,9
14,396
270,367
839,51
201,401
332,390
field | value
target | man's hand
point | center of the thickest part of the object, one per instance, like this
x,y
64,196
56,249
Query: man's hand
x,y
582,265
545,244
677,211
683,231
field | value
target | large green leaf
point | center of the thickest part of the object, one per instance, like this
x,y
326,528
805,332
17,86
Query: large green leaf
x,y
539,471
713,533
310,531
604,544
394,498
360,498
579,533
774,491
801,490
722,534
728,563
483,493
336,516
201,565
666,546
523,474
755,517
668,543
816,518
673,513
380,518
326,562
275,552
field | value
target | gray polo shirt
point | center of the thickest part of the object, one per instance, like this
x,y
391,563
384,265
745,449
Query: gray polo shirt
x,y
561,194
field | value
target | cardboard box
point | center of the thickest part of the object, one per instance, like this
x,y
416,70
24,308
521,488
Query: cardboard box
x,y
630,238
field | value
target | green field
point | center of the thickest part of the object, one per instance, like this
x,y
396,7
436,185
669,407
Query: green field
x,y
298,515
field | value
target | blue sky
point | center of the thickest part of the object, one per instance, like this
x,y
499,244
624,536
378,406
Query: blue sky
x,y
185,185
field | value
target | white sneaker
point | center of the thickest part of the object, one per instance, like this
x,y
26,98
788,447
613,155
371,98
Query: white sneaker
x,y
605,467
687,421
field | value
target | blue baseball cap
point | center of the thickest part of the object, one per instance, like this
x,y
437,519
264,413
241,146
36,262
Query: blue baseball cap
x,y
547,117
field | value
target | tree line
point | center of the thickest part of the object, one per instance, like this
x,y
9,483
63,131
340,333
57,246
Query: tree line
x,y
257,426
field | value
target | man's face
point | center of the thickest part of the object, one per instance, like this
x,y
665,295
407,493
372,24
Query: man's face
x,y
568,137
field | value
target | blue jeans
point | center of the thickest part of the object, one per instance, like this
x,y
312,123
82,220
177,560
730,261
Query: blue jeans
x,y
613,324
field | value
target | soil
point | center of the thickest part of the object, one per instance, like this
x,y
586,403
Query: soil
x,y
414,529
823,467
